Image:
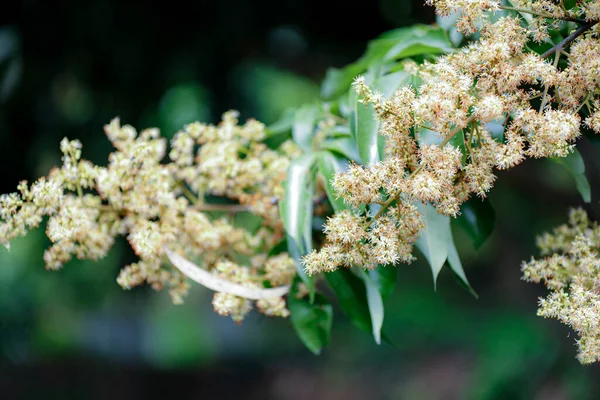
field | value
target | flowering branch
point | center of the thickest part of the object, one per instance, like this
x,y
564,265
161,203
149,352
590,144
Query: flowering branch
x,y
389,202
569,39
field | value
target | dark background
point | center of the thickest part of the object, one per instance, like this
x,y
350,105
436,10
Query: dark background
x,y
68,67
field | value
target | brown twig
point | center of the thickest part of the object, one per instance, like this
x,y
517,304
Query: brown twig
x,y
567,41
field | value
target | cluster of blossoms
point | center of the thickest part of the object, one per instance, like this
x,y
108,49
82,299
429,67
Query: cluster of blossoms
x,y
491,104
152,203
571,270
486,107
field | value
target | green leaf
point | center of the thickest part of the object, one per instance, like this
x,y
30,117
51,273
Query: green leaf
x,y
329,165
296,209
364,122
284,124
305,120
361,297
311,320
477,218
574,164
435,239
414,40
337,81
385,278
375,302
352,297
364,126
340,131
387,85
393,45
344,146
457,268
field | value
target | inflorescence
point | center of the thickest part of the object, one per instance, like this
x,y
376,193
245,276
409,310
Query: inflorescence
x,y
158,205
487,106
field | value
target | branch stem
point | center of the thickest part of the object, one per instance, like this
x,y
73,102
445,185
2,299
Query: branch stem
x,y
569,39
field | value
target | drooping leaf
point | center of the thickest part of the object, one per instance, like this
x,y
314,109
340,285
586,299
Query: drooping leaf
x,y
375,303
296,209
457,268
329,165
352,297
311,320
576,167
364,127
385,278
435,239
477,218
305,120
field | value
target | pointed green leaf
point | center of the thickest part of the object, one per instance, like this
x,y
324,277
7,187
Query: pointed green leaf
x,y
415,40
311,321
477,218
305,120
364,123
574,164
457,268
296,209
435,239
352,297
393,45
329,165
385,278
365,127
375,303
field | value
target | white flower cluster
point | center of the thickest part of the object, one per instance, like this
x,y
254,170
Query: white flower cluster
x,y
571,270
494,81
153,204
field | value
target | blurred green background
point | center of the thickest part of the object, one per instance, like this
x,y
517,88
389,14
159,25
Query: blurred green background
x,y
68,67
